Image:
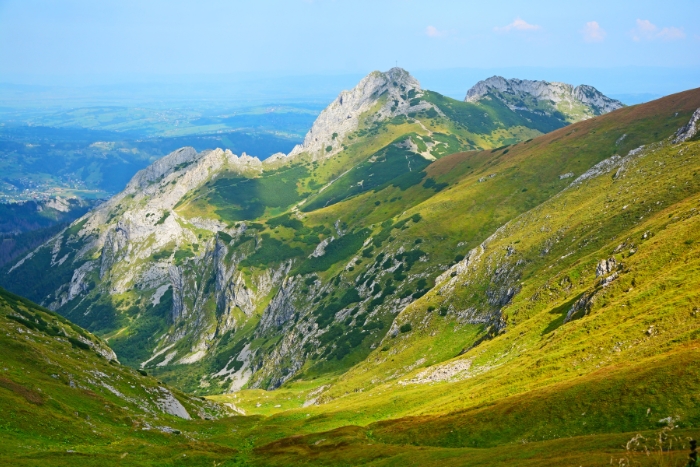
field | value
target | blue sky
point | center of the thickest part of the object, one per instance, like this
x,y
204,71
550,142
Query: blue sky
x,y
104,41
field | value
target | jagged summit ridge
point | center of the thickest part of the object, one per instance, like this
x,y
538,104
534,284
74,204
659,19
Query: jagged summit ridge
x,y
342,116
515,93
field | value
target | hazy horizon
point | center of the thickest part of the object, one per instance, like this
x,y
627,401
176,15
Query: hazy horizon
x,y
168,51
629,84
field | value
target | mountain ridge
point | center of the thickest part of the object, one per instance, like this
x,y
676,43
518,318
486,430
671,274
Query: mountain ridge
x,y
418,308
212,253
562,96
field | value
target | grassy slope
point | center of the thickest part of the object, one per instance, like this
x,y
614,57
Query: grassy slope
x,y
638,299
56,407
48,422
483,207
643,317
526,175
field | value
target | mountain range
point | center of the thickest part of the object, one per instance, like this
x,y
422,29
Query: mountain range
x,y
521,266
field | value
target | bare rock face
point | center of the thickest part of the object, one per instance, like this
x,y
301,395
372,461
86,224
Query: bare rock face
x,y
59,204
579,102
689,130
605,267
394,89
170,405
131,227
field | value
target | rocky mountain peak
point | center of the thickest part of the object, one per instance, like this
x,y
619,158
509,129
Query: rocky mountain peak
x,y
140,220
393,89
580,102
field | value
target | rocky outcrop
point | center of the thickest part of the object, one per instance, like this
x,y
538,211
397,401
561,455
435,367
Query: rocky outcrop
x,y
395,91
320,249
558,96
170,405
605,267
689,130
581,307
60,204
281,308
77,286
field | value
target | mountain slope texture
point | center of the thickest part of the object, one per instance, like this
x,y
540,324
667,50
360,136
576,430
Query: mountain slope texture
x,y
422,281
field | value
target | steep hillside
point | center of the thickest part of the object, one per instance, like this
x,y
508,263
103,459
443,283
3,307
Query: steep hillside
x,y
25,226
63,391
217,272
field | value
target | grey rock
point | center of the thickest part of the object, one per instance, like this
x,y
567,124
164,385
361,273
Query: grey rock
x,y
605,267
689,130
558,93
170,405
344,114
583,304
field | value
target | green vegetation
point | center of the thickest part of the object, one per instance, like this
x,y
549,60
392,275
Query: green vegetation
x,y
239,198
136,343
391,164
338,250
272,251
162,219
456,309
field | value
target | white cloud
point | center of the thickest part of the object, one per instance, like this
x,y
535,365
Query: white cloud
x,y
592,32
646,30
517,25
670,34
432,31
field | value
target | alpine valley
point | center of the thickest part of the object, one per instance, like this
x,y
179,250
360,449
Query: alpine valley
x,y
512,279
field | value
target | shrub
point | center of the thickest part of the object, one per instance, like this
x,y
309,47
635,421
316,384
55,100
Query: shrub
x,y
406,293
163,254
272,251
310,280
78,344
285,221
165,215
430,183
326,313
335,251
373,325
181,256
410,257
406,328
